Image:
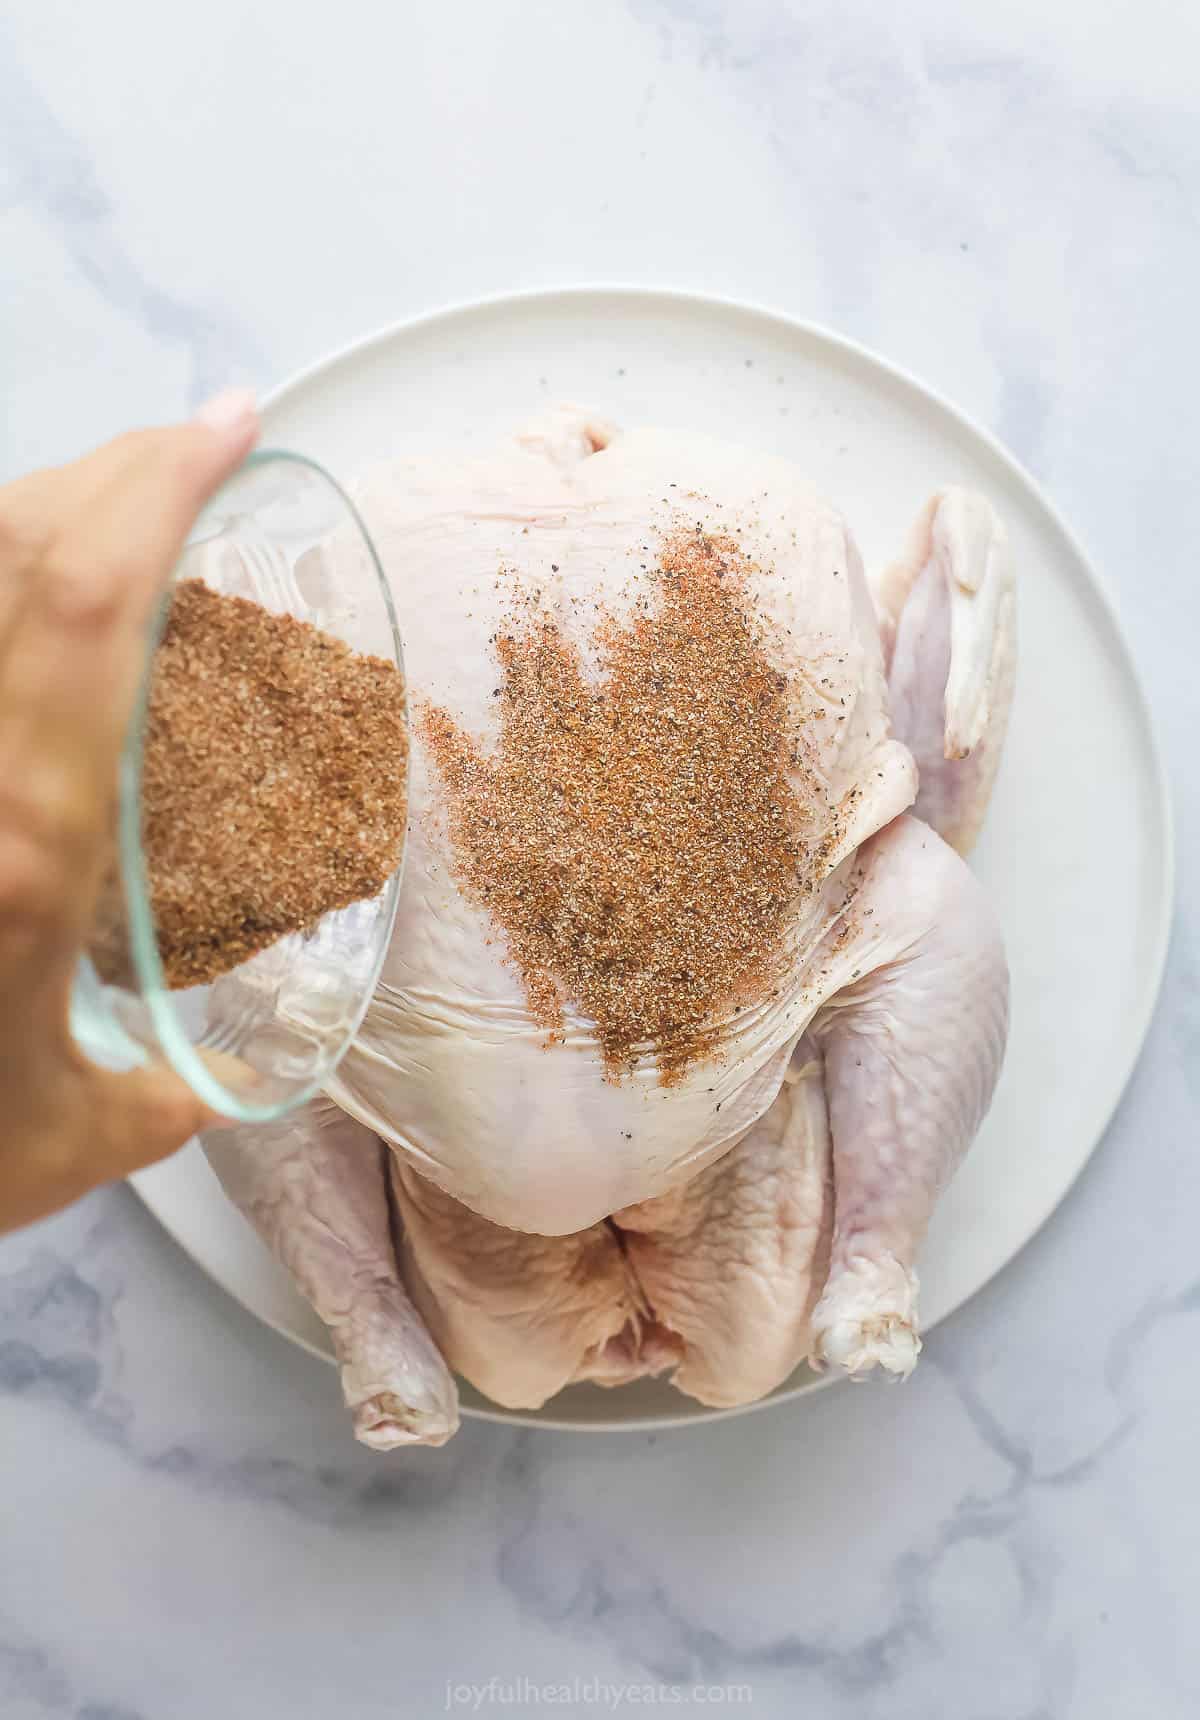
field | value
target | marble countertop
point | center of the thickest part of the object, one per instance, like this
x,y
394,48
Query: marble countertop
x,y
1011,208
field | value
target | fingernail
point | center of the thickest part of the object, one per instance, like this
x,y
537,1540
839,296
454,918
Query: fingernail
x,y
232,409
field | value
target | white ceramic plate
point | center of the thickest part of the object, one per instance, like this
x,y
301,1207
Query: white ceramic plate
x,y
1078,839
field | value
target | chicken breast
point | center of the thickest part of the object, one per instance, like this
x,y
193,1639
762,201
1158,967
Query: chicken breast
x,y
451,1066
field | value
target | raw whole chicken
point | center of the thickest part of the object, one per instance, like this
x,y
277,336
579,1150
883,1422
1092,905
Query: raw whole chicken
x,y
487,1188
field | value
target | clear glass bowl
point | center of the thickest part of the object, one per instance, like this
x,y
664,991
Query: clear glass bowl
x,y
266,1036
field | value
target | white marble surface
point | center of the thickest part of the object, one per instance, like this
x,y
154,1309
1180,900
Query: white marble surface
x,y
1009,206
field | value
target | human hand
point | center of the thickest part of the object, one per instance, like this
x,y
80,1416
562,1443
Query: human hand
x,y
85,550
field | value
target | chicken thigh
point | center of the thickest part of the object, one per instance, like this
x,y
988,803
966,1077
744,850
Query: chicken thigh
x,y
554,1218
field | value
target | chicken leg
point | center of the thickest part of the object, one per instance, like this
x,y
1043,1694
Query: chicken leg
x,y
312,1185
912,1049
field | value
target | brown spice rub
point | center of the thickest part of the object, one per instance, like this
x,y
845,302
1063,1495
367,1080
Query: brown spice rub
x,y
638,841
274,785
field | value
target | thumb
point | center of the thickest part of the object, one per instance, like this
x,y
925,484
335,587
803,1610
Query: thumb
x,y
141,1116
189,462
118,518
231,421
146,1113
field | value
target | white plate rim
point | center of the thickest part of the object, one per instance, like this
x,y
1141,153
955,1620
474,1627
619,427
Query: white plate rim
x,y
528,297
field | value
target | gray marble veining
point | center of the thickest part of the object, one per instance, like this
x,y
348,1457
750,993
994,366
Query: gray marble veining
x,y
1008,204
